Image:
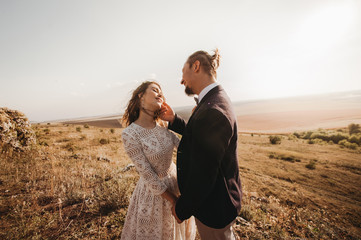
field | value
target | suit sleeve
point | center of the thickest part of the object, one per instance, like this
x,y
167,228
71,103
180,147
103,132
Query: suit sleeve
x,y
178,125
211,135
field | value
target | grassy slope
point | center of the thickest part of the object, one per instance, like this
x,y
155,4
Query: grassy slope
x,y
75,188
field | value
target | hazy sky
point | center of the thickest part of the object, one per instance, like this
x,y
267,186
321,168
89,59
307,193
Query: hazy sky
x,y
73,58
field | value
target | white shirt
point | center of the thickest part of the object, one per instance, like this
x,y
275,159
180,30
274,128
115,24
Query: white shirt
x,y
206,90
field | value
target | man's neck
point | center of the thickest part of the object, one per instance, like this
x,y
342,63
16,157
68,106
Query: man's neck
x,y
205,83
206,90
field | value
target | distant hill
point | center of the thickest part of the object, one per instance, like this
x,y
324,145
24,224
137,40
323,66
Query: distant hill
x,y
273,115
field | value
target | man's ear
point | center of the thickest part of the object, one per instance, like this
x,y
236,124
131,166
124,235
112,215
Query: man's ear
x,y
196,66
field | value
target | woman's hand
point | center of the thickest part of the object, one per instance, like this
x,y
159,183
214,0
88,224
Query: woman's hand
x,y
167,113
175,215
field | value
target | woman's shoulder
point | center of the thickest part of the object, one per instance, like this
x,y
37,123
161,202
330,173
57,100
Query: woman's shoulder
x,y
129,131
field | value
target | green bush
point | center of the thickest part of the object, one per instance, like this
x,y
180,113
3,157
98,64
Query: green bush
x,y
354,128
319,141
347,144
78,129
355,139
307,135
275,139
336,138
320,135
297,134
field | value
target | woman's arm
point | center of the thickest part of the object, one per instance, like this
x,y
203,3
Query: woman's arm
x,y
135,151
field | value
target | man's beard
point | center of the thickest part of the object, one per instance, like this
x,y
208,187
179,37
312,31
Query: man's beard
x,y
189,91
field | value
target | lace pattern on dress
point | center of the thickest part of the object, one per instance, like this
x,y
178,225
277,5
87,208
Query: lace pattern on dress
x,y
149,215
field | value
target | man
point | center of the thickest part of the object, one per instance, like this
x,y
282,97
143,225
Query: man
x,y
207,165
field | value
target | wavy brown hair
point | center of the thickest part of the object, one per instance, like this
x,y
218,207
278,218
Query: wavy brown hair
x,y
133,108
210,63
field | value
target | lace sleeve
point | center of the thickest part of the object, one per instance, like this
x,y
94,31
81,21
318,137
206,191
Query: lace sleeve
x,y
175,139
135,152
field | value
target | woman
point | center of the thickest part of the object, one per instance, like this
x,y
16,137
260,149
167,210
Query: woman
x,y
150,147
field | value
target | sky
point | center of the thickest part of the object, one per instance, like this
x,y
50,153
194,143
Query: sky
x,y
62,59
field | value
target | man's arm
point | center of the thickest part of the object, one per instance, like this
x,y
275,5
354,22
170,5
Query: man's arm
x,y
176,123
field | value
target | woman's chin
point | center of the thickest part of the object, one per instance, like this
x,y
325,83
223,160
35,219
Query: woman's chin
x,y
158,106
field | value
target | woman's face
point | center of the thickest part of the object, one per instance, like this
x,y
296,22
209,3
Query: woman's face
x,y
152,98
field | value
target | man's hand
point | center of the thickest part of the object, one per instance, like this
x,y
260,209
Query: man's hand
x,y
167,113
175,214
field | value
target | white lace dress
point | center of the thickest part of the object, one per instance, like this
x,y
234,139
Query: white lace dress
x,y
149,215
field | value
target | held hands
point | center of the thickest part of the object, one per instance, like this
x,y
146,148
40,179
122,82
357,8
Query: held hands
x,y
168,195
166,113
174,202
175,214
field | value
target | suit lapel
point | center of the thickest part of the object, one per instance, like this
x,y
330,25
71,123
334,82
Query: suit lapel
x,y
205,99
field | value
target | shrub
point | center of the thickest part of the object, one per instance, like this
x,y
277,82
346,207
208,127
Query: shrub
x,y
86,126
297,134
70,147
275,139
336,138
354,128
311,165
78,129
320,135
284,157
43,143
347,144
307,135
246,213
112,130
355,139
319,141
103,141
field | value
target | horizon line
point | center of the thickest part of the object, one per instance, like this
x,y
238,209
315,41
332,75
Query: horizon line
x,y
189,106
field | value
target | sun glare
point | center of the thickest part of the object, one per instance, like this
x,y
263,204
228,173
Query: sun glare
x,y
325,27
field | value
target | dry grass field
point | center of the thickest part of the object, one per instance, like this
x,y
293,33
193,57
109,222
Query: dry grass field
x,y
73,185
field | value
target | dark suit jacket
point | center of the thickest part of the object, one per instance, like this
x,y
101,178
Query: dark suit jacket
x,y
207,165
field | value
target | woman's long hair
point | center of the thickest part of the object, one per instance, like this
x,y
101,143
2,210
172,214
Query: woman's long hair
x,y
133,108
